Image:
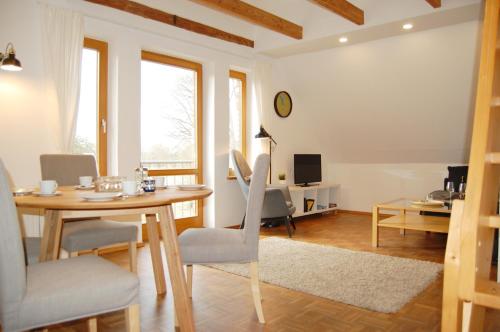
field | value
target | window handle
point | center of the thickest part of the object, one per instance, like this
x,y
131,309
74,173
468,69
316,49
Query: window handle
x,y
104,126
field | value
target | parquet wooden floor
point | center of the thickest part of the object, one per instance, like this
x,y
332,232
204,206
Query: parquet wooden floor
x,y
222,302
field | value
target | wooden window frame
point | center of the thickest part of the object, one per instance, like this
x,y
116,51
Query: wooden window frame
x,y
198,172
243,78
102,102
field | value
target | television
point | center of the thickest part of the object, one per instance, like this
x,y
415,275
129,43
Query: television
x,y
307,168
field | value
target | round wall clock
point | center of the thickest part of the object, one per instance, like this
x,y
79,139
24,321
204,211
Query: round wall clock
x,y
283,104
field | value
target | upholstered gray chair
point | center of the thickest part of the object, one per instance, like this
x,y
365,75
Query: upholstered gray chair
x,y
277,202
40,295
222,245
77,236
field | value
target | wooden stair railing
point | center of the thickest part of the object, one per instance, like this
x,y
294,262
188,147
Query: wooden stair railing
x,y
468,290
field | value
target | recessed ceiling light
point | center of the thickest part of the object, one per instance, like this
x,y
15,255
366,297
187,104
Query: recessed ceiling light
x,y
407,26
343,39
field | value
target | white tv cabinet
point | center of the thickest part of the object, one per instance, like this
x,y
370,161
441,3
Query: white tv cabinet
x,y
323,194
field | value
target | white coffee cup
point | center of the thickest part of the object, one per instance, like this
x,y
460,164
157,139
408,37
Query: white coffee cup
x,y
159,181
48,186
85,181
129,187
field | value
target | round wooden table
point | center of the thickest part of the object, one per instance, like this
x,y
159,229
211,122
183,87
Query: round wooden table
x,y
71,205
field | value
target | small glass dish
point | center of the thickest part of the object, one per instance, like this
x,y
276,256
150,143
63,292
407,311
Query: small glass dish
x,y
112,184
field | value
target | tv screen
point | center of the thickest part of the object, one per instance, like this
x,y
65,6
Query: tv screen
x,y
307,168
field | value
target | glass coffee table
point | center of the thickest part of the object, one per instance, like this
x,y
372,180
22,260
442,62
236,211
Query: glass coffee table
x,y
409,217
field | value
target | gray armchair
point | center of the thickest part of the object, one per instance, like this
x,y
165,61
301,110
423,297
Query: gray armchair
x,y
223,245
277,201
44,294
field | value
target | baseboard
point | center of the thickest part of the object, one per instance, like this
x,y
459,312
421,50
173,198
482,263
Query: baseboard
x,y
362,213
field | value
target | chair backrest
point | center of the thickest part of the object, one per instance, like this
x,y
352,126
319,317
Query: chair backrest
x,y
12,262
255,202
242,171
67,168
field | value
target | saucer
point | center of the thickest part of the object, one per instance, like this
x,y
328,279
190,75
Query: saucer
x,y
38,193
80,187
138,193
22,192
191,186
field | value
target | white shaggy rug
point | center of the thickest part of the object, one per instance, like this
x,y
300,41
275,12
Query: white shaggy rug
x,y
375,282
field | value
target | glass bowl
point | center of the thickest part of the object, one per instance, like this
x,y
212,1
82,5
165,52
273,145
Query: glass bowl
x,y
109,184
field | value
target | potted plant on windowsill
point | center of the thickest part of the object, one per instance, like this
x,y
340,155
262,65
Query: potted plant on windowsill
x,y
282,178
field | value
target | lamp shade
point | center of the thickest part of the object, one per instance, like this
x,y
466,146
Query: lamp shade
x,y
10,63
262,133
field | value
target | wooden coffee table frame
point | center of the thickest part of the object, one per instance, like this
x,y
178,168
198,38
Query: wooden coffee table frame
x,y
70,205
405,220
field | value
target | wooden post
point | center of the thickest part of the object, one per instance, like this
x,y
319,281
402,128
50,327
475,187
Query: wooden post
x,y
452,305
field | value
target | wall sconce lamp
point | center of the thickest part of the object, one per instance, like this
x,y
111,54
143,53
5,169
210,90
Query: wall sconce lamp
x,y
8,60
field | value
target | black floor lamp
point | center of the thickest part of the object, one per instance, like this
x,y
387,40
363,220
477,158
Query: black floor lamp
x,y
264,134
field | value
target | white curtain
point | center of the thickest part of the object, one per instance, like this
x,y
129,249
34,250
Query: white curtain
x,y
260,107
261,88
62,37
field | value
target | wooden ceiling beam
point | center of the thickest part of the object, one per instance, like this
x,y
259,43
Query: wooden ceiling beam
x,y
138,9
434,3
345,9
254,15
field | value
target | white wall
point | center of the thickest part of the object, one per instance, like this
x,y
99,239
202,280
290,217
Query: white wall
x,y
26,112
387,116
28,115
366,184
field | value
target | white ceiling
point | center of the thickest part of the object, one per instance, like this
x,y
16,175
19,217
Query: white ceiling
x,y
322,27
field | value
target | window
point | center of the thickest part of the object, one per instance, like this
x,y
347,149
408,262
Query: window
x,y
237,113
171,124
90,133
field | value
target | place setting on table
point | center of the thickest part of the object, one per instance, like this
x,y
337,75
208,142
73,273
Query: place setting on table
x,y
107,188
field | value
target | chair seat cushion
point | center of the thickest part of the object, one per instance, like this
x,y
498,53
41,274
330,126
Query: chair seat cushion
x,y
92,234
214,245
78,287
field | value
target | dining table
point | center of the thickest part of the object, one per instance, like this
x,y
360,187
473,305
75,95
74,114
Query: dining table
x,y
157,207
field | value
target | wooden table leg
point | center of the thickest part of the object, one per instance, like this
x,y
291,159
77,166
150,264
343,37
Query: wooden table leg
x,y
177,277
51,239
375,227
155,248
402,231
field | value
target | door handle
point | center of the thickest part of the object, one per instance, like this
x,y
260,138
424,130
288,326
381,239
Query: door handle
x,y
104,126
